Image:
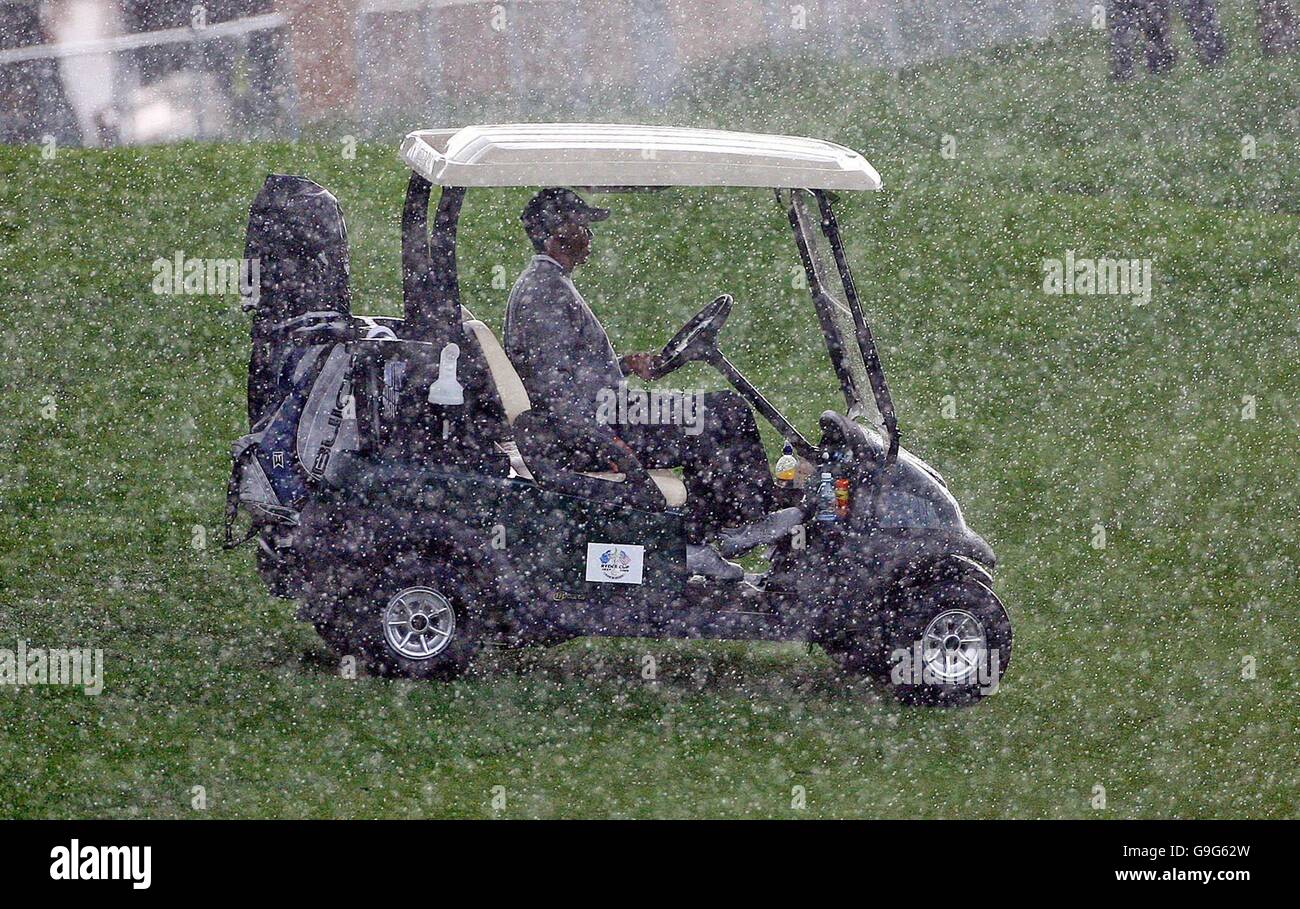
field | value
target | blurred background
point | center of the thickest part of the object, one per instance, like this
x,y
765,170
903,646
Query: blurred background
x,y
108,72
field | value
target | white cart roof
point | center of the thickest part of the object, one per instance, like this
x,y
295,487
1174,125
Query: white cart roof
x,y
610,155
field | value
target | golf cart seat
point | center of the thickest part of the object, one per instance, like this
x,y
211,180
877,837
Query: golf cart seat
x,y
515,401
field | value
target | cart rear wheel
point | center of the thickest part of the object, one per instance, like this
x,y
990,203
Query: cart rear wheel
x,y
414,621
419,623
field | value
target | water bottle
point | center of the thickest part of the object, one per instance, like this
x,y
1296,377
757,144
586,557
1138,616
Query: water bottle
x,y
827,508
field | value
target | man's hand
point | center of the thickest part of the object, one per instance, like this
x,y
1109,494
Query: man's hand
x,y
639,365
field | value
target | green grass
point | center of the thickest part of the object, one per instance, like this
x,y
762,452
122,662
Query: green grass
x,y
1071,411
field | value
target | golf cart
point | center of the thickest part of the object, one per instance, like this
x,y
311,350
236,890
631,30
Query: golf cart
x,y
402,488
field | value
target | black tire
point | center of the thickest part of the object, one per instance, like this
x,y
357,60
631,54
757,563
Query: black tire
x,y
939,608
356,623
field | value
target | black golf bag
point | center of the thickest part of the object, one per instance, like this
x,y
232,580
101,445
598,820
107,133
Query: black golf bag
x,y
297,235
314,367
300,405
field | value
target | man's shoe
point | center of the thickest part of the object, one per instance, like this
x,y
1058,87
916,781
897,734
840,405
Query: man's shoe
x,y
767,529
703,560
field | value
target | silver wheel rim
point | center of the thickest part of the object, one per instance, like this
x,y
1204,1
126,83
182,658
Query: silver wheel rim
x,y
419,623
952,647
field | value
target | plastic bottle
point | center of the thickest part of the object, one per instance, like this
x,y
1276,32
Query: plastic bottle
x,y
786,466
447,389
826,508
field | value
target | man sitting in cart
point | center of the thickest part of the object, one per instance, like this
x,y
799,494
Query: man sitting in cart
x,y
566,361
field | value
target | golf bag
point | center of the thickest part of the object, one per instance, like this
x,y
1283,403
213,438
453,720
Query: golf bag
x,y
300,405
297,235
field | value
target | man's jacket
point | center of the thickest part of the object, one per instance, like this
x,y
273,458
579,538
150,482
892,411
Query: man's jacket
x,y
556,343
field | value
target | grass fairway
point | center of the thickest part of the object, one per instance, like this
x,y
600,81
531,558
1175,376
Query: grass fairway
x,y
1071,412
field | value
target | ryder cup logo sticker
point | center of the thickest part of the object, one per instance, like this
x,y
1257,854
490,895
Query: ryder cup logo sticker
x,y
615,563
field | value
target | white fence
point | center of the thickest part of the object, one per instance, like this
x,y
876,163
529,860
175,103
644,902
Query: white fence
x,y
203,81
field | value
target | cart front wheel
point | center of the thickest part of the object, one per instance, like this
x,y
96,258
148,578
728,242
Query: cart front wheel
x,y
949,646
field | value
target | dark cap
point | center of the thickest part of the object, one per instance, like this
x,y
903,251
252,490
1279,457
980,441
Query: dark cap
x,y
554,206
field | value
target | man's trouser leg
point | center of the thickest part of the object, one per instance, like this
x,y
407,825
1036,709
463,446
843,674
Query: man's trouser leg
x,y
728,480
1278,33
1158,28
1123,19
1207,34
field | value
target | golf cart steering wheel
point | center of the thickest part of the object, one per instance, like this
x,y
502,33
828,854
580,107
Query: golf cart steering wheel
x,y
696,340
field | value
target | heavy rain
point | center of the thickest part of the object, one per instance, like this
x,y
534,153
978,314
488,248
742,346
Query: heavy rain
x,y
649,409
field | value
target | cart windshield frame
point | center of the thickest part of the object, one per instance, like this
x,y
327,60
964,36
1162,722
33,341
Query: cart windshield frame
x,y
849,339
